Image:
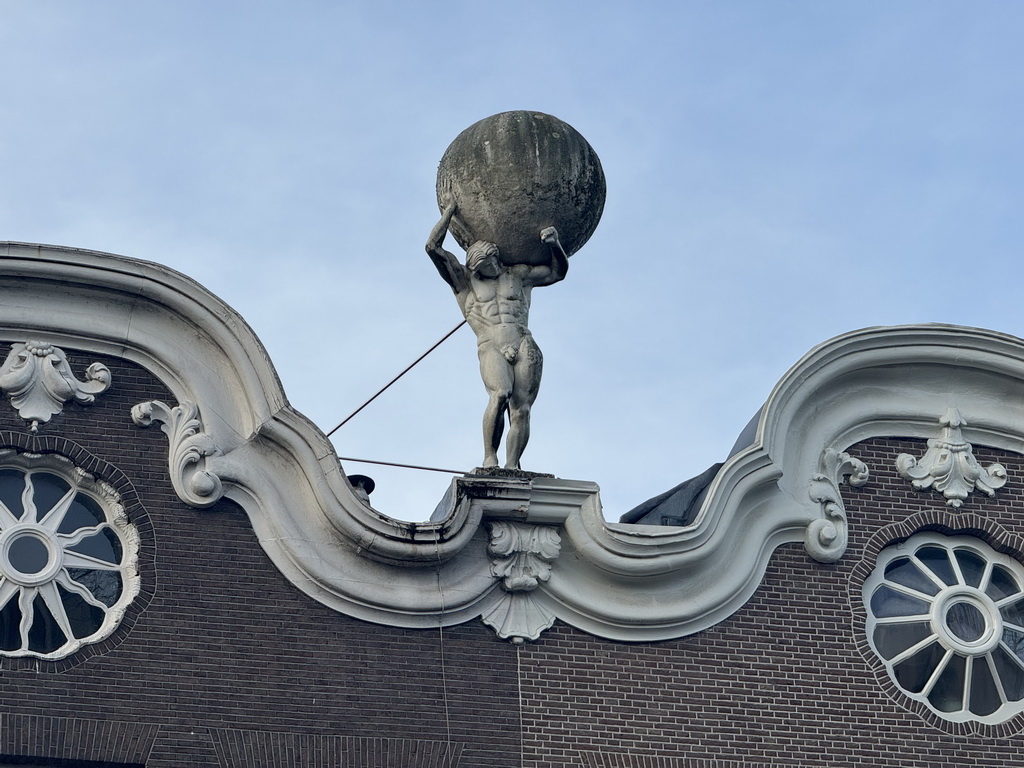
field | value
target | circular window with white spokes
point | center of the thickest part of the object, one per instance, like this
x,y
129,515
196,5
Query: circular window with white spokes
x,y
946,616
68,557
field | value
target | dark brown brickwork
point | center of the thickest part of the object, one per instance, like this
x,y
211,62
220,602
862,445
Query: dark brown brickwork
x,y
53,737
784,681
223,664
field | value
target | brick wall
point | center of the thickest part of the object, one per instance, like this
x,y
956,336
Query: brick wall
x,y
222,663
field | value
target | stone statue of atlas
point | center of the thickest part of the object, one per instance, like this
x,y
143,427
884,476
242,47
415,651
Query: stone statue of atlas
x,y
520,192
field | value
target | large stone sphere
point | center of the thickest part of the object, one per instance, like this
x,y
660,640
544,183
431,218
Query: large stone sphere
x,y
515,173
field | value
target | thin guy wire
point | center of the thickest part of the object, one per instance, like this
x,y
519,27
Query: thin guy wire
x,y
407,369
404,466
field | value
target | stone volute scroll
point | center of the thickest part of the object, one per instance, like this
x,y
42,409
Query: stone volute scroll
x,y
189,448
826,538
37,378
520,192
949,465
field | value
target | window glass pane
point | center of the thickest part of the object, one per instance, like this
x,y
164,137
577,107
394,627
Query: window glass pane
x,y
85,619
893,639
904,571
972,566
105,586
1002,584
44,636
965,621
886,602
936,560
48,490
12,486
984,698
913,673
1014,641
83,513
947,695
102,545
1014,613
1010,674
28,554
10,625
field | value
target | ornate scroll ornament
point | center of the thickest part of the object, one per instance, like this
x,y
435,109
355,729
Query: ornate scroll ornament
x,y
521,557
38,379
826,538
949,465
189,448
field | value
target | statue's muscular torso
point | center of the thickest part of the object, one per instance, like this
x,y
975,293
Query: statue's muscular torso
x,y
498,309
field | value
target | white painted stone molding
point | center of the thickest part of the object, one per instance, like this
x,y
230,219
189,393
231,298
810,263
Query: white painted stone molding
x,y
234,435
949,465
188,452
521,557
826,538
37,378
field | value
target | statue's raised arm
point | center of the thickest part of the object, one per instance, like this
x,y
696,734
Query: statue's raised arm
x,y
447,265
554,272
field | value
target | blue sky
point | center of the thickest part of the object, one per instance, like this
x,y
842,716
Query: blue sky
x,y
778,173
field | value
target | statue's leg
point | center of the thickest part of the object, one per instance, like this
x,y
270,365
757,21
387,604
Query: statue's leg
x,y
498,378
525,387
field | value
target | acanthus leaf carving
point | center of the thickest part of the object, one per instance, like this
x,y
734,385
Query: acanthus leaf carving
x,y
188,451
38,380
826,537
522,554
521,557
949,465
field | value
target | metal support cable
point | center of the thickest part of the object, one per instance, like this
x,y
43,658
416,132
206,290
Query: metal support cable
x,y
403,466
385,387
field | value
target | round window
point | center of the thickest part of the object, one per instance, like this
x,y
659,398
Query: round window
x,y
68,557
946,616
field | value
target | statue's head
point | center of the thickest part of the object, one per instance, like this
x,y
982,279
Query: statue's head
x,y
482,258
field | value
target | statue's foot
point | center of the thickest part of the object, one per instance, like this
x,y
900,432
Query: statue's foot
x,y
490,462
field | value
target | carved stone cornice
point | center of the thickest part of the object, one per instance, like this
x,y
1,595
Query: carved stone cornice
x,y
826,538
37,377
949,465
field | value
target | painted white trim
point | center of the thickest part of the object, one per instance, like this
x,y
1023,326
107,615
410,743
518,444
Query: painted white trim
x,y
635,583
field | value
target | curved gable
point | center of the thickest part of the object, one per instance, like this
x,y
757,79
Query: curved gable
x,y
518,553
